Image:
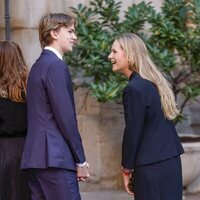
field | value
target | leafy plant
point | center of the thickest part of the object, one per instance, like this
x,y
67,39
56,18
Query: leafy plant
x,y
172,37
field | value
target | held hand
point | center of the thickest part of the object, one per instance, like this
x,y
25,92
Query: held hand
x,y
126,178
83,173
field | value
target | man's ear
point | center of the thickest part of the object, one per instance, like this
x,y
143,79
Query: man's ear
x,y
54,34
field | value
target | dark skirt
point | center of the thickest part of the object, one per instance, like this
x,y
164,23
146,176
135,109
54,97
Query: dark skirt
x,y
13,183
159,181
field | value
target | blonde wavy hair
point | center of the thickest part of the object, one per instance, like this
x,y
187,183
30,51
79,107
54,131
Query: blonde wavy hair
x,y
13,72
140,62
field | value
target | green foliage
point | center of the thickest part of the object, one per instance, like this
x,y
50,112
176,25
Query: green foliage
x,y
172,37
95,39
136,17
107,91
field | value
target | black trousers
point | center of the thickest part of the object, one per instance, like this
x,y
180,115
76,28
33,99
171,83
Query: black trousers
x,y
159,181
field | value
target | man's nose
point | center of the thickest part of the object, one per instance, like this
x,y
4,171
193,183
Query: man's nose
x,y
74,37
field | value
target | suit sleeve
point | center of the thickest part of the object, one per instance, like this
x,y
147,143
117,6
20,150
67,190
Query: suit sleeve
x,y
134,112
60,93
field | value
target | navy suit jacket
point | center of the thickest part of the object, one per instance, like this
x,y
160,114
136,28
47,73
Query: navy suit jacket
x,y
148,136
53,139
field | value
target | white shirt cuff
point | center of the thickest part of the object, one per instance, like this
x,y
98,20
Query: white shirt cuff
x,y
81,164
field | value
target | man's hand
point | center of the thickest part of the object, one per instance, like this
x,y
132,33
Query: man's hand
x,y
126,174
83,172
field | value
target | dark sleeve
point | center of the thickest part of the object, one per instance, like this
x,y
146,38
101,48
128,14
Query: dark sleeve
x,y
60,93
134,111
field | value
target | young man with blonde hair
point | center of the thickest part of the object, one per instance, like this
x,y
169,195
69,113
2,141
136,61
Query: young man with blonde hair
x,y
53,153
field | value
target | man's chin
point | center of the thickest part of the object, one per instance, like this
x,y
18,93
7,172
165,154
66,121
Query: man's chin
x,y
69,49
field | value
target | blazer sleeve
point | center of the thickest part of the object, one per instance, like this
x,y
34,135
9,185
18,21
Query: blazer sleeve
x,y
134,112
60,93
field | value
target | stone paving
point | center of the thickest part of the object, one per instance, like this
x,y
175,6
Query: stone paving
x,y
192,197
120,195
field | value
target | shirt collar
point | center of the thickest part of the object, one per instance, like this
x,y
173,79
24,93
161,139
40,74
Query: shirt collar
x,y
54,51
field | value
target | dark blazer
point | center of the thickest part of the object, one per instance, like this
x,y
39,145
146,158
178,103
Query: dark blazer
x,y
148,136
53,139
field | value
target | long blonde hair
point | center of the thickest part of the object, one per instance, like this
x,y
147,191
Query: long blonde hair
x,y
13,72
140,62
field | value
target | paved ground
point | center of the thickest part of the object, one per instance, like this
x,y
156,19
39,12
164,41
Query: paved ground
x,y
192,197
120,195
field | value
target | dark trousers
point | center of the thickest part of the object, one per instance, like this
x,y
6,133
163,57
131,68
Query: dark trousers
x,y
53,184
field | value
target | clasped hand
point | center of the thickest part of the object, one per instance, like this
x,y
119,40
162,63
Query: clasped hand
x,y
83,172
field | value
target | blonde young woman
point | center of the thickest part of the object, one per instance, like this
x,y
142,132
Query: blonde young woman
x,y
13,121
151,148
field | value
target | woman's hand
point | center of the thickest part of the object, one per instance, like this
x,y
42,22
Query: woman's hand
x,y
126,174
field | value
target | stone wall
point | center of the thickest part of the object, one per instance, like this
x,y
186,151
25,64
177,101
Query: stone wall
x,y
192,122
191,163
101,127
24,18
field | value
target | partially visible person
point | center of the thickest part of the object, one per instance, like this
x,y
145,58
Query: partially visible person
x,y
151,148
53,155
13,121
